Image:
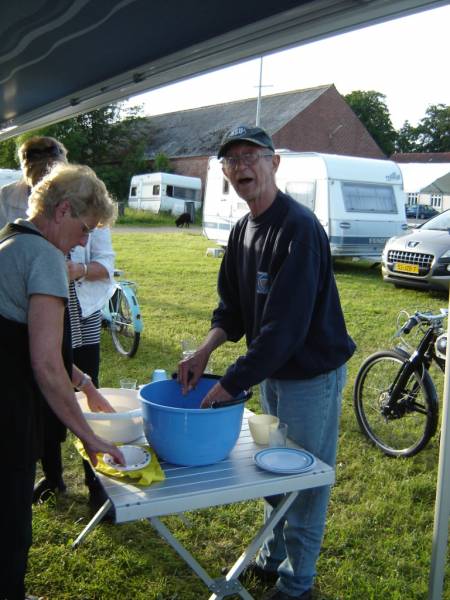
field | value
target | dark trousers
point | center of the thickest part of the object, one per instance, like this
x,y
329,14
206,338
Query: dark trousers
x,y
87,359
15,531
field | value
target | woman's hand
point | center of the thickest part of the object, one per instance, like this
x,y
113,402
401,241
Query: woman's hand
x,y
75,270
97,445
97,402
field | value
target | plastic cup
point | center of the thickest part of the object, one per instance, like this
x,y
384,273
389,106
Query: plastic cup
x,y
259,427
188,347
159,375
128,384
278,435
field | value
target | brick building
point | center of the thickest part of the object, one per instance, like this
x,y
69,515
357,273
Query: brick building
x,y
312,120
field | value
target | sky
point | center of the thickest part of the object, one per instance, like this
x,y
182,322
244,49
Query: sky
x,y
404,59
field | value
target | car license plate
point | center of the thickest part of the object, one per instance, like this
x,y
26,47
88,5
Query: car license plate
x,y
406,268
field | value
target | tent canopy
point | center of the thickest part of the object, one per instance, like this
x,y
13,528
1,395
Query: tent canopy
x,y
59,59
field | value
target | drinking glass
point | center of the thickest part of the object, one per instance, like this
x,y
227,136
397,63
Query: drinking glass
x,y
128,384
278,435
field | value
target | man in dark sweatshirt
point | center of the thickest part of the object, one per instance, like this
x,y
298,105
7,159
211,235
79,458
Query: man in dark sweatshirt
x,y
276,287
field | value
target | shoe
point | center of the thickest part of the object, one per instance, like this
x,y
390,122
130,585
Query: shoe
x,y
254,570
45,489
276,594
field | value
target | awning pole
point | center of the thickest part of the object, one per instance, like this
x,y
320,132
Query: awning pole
x,y
442,507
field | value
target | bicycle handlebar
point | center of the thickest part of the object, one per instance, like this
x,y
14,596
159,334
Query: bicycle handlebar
x,y
410,324
421,317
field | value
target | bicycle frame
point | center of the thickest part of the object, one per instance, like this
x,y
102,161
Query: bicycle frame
x,y
127,288
421,358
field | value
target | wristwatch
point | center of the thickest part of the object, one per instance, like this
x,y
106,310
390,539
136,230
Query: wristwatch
x,y
85,379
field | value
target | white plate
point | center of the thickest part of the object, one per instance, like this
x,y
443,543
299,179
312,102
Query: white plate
x,y
135,458
285,460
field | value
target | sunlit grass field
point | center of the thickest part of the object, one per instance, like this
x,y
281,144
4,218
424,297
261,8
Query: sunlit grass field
x,y
378,538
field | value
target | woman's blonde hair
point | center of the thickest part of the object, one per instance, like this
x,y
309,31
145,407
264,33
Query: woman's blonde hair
x,y
78,184
38,155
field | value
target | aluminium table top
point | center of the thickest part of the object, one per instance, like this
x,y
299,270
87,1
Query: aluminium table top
x,y
234,479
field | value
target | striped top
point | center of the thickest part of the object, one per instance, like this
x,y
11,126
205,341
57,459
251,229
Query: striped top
x,y
84,331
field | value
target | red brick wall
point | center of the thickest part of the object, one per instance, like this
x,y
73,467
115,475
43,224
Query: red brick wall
x,y
192,166
328,125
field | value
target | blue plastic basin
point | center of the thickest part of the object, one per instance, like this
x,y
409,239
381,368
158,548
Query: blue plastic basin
x,y
182,433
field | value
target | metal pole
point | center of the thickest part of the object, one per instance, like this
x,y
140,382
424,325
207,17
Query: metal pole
x,y
258,103
442,508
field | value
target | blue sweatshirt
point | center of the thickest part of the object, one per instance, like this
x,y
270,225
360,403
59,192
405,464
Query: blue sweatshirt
x,y
276,287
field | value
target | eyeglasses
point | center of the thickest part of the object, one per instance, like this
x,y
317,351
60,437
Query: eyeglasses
x,y
247,159
86,230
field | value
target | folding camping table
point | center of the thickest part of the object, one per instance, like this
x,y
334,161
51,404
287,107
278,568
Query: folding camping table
x,y
234,479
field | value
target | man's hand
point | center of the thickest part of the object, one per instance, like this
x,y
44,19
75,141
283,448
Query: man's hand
x,y
191,369
216,394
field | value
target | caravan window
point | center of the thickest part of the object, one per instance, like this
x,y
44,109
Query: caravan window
x,y
174,191
156,189
303,191
133,191
369,197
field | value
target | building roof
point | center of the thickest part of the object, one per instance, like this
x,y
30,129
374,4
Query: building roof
x,y
421,157
198,131
417,176
439,186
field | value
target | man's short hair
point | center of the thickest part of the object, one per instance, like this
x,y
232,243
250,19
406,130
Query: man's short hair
x,y
242,133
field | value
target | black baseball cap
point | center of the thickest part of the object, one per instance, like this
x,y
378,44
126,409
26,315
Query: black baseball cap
x,y
242,133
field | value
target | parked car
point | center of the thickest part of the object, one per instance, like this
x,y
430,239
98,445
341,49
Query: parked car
x,y
420,211
421,257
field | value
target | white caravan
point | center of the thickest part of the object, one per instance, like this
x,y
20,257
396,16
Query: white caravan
x,y
157,192
359,201
9,176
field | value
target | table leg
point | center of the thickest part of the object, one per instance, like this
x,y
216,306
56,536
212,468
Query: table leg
x,y
256,542
92,523
230,584
221,586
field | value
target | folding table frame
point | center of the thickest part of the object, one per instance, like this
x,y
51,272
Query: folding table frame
x,y
235,479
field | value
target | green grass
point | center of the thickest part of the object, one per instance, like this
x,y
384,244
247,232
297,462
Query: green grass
x,y
378,538
144,218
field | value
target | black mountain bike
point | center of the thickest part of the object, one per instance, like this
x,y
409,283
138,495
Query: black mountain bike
x,y
394,396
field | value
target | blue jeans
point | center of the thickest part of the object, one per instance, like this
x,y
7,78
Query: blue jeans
x,y
311,408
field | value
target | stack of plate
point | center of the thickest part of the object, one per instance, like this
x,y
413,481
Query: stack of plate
x,y
285,460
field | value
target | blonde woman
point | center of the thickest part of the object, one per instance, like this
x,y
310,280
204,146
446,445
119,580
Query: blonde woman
x,y
64,207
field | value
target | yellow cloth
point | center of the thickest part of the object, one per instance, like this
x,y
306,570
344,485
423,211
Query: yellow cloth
x,y
152,472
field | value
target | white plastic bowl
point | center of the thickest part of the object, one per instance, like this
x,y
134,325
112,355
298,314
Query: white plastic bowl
x,y
125,425
259,426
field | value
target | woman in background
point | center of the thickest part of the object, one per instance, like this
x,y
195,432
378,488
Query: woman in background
x,y
91,275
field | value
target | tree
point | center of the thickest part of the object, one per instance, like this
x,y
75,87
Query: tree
x,y
433,131
432,134
161,163
371,109
8,154
111,140
406,138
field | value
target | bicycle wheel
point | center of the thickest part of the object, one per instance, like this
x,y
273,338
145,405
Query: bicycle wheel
x,y
125,338
406,428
